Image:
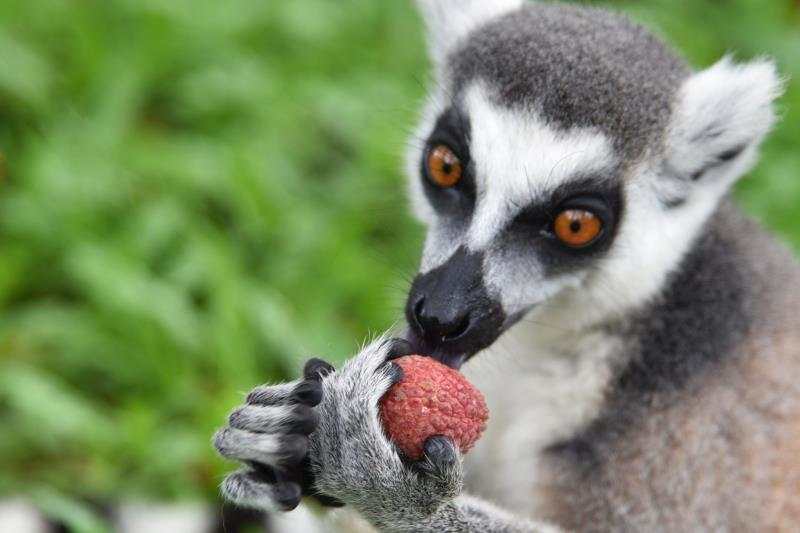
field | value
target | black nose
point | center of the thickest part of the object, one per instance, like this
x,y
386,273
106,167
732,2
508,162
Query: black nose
x,y
440,322
449,308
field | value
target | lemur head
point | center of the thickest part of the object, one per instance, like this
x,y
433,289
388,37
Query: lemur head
x,y
565,161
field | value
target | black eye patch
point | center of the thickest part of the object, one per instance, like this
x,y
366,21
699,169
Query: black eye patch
x,y
532,227
452,130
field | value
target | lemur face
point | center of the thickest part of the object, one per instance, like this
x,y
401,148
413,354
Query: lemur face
x,y
516,209
563,164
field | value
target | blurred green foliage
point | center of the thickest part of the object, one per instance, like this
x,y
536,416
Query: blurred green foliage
x,y
195,195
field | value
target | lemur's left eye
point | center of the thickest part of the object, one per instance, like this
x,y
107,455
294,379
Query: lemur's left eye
x,y
444,167
577,227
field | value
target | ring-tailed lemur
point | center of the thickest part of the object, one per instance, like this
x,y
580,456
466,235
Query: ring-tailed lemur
x,y
639,336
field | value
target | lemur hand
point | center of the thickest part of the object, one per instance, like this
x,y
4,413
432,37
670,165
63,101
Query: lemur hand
x,y
269,434
351,459
336,451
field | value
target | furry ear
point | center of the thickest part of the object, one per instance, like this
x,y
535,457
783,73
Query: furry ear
x,y
721,116
448,21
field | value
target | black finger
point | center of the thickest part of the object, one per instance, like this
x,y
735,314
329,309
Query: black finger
x,y
317,369
271,475
308,392
287,495
263,473
293,473
246,488
440,455
304,420
395,372
293,449
299,475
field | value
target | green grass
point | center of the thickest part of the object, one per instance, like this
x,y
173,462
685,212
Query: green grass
x,y
196,195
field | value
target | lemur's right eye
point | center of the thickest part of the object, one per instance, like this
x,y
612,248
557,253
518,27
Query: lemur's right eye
x,y
444,166
577,228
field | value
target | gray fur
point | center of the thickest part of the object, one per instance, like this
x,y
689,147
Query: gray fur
x,y
272,394
263,448
274,419
703,313
269,434
578,67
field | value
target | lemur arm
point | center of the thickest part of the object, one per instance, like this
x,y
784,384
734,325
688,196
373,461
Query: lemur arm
x,y
472,515
349,459
352,460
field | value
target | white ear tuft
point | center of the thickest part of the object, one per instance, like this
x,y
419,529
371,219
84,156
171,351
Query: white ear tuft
x,y
722,113
449,21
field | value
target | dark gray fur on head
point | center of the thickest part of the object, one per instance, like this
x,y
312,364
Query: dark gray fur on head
x,y
577,66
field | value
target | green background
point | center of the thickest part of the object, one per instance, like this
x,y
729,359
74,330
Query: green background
x,y
196,195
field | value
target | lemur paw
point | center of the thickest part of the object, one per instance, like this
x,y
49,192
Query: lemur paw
x,y
270,435
441,459
352,459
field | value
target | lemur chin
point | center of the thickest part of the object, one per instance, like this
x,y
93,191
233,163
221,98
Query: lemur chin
x,y
637,336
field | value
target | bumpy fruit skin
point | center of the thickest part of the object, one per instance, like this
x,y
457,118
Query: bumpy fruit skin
x,y
432,399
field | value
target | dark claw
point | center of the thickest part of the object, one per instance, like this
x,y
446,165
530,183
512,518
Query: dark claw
x,y
308,392
316,369
395,372
288,484
440,454
440,450
233,419
399,348
304,420
287,495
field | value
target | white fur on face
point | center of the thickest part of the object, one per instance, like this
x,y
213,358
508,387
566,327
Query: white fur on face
x,y
441,242
652,239
519,159
725,107
650,243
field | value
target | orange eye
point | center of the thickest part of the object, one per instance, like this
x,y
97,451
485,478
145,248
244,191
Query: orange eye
x,y
577,227
444,167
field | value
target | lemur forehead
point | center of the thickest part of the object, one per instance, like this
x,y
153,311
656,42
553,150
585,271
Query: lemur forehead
x,y
521,160
579,67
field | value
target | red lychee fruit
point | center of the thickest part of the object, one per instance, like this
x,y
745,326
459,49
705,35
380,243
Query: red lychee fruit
x,y
432,399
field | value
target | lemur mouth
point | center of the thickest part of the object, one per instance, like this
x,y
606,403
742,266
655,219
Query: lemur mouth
x,y
453,359
454,352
